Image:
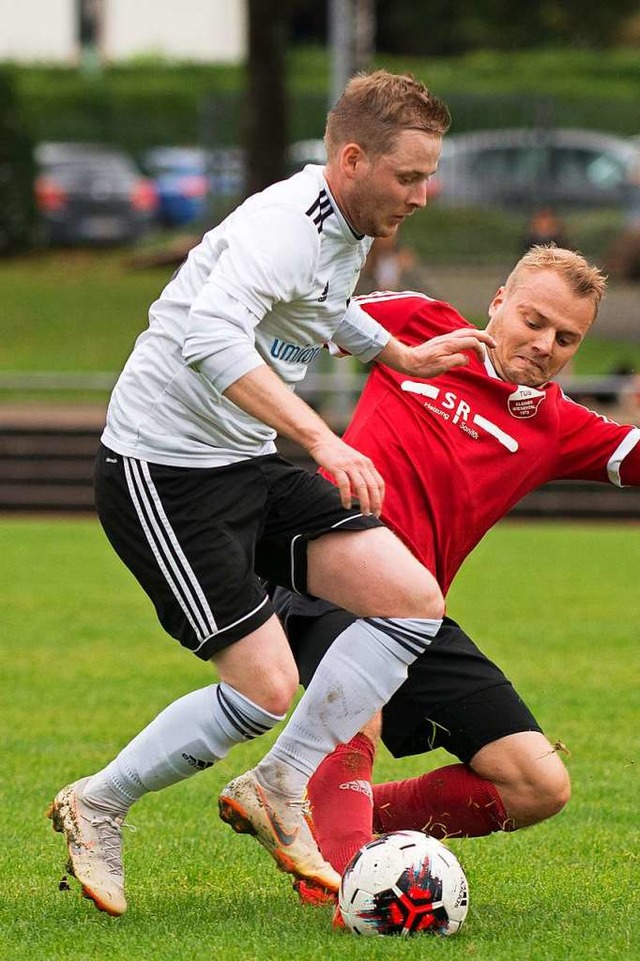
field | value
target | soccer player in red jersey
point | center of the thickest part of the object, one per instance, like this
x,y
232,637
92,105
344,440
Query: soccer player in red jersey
x,y
457,452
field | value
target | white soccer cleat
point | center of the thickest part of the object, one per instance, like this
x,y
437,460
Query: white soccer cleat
x,y
280,826
94,842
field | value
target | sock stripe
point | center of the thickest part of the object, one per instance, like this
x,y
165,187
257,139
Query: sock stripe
x,y
411,640
248,727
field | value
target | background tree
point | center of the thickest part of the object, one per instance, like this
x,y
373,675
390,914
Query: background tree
x,y
17,210
439,28
266,127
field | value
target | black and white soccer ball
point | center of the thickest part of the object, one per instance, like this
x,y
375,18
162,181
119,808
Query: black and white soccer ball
x,y
401,883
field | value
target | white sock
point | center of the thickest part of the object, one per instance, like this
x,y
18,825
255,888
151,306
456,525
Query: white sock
x,y
188,736
363,667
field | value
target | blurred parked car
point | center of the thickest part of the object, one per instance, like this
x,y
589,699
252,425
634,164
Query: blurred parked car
x,y
304,152
90,193
189,179
180,178
558,168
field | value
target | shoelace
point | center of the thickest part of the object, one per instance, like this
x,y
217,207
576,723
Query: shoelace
x,y
304,807
109,832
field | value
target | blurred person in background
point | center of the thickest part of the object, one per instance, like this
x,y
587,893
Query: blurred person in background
x,y
387,264
545,227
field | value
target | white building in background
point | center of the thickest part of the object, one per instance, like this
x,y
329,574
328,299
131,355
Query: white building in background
x,y
204,30
212,31
32,30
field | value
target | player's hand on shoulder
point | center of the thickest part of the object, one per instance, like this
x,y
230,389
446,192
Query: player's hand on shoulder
x,y
442,353
354,474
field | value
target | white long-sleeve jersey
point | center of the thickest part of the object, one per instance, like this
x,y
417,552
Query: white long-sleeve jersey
x,y
271,285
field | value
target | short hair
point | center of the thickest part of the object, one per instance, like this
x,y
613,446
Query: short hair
x,y
584,279
376,106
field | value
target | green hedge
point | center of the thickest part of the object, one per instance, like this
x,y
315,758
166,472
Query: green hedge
x,y
147,103
134,107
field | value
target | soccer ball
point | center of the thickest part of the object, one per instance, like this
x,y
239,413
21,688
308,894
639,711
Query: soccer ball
x,y
404,882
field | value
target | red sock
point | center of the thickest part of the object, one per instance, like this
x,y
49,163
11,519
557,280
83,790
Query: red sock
x,y
340,797
451,801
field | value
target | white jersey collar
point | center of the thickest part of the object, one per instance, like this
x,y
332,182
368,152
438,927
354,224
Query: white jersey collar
x,y
490,369
346,229
492,372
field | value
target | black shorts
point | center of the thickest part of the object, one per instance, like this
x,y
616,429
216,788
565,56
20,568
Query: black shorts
x,y
201,541
454,696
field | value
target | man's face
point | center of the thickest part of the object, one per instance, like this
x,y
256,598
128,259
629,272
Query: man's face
x,y
538,325
380,193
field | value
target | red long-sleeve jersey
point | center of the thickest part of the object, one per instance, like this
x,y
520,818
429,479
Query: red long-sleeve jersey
x,y
458,451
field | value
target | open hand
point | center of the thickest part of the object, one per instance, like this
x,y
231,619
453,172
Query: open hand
x,y
355,474
442,353
437,355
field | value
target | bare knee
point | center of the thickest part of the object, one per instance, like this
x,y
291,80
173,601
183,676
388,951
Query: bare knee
x,y
532,781
420,596
373,729
540,798
261,667
273,691
277,694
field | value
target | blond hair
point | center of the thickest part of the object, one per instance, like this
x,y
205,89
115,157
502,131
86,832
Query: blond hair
x,y
375,107
583,278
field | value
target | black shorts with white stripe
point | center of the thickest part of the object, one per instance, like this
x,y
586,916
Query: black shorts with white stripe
x,y
201,541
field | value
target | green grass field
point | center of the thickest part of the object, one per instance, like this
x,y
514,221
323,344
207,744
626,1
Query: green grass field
x,y
84,665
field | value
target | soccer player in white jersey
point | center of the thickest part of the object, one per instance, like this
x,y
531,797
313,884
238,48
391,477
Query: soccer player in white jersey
x,y
197,503
457,454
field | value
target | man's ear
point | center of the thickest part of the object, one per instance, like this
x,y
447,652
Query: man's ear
x,y
497,301
352,156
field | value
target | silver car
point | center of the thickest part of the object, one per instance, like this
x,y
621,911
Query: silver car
x,y
562,168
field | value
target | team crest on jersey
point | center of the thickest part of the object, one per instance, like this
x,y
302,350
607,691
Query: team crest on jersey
x,y
524,402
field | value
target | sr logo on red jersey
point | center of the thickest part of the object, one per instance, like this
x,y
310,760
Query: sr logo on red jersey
x,y
524,402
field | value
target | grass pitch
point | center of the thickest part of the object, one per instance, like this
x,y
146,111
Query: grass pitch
x,y
84,666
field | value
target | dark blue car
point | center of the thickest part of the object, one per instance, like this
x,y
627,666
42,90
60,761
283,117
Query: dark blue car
x,y
188,179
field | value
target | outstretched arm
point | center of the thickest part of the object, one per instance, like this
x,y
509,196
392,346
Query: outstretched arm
x,y
437,355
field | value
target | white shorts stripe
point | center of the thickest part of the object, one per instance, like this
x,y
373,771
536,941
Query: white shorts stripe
x,y
297,537
293,565
166,549
235,623
203,605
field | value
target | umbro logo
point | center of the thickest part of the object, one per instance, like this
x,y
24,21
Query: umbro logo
x,y
325,293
